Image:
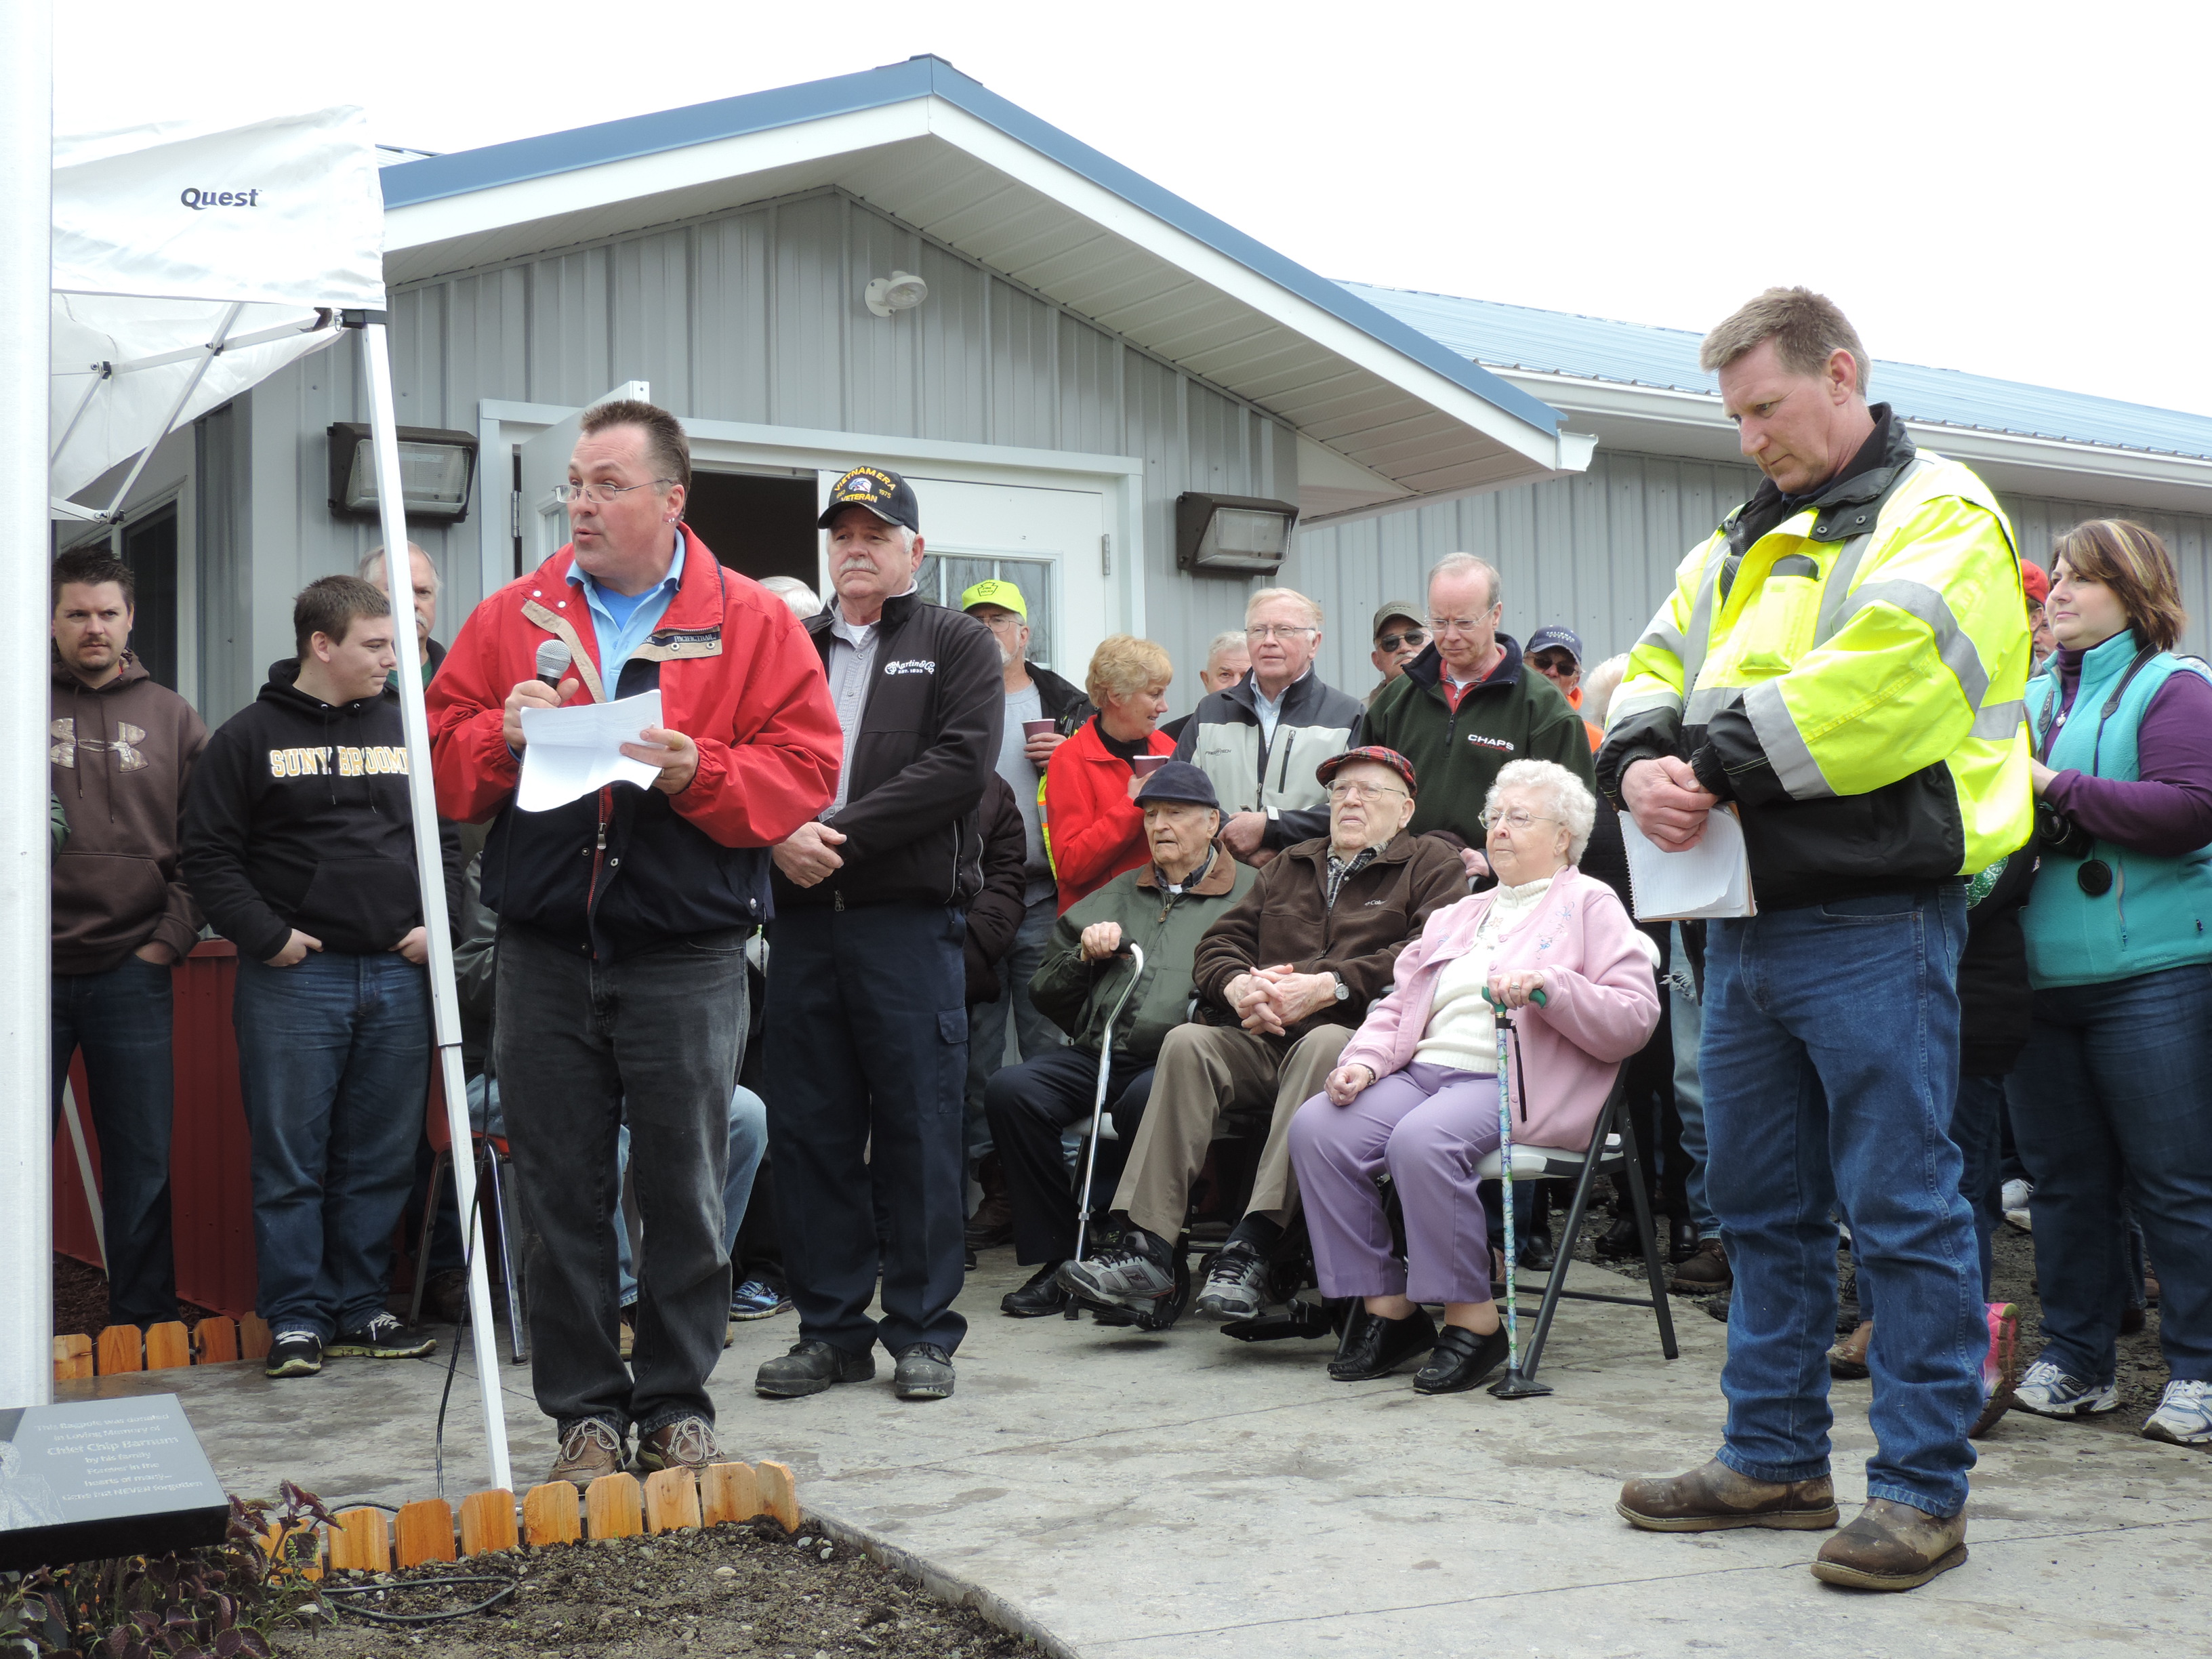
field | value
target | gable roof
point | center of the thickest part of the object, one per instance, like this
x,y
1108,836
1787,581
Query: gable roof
x,y
943,153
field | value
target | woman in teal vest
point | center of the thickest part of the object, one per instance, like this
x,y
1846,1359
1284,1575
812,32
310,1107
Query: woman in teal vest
x,y
2114,1091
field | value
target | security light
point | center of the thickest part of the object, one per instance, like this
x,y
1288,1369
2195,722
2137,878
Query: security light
x,y
436,468
900,291
1232,535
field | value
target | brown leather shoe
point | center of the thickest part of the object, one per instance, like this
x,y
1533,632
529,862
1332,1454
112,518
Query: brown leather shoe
x,y
589,1448
1847,1360
1715,1498
688,1443
1706,1271
1892,1546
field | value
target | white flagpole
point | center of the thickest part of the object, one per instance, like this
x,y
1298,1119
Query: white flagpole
x,y
26,1215
445,999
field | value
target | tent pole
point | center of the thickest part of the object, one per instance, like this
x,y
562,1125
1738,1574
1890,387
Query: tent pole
x,y
445,1001
27,1220
191,385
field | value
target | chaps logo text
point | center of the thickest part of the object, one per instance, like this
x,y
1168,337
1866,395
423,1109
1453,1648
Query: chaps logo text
x,y
1481,742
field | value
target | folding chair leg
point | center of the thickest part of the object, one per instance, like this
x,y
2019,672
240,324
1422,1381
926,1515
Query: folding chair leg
x,y
509,1240
423,1244
1584,1184
1647,1233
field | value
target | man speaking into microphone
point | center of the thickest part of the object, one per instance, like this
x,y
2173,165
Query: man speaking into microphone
x,y
623,916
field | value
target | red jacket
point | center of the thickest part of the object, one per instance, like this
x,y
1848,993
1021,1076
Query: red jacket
x,y
1092,830
737,675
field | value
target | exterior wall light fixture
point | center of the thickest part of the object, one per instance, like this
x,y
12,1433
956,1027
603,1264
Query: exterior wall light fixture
x,y
900,291
436,468
1232,535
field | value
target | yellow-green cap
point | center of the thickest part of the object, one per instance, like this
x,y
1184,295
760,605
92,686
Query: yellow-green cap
x,y
1004,595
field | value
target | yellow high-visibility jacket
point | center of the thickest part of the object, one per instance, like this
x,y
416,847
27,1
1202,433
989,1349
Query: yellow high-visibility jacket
x,y
1855,686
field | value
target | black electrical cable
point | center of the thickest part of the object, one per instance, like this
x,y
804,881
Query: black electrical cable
x,y
453,1356
507,1587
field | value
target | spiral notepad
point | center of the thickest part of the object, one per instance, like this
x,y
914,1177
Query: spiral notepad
x,y
1709,881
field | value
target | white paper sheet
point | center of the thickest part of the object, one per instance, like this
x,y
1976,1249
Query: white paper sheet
x,y
570,752
1711,880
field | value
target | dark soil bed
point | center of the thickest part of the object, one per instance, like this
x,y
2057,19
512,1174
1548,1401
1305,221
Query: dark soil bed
x,y
81,1300
735,1590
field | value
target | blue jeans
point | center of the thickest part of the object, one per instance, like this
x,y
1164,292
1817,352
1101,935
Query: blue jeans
x,y
748,1141
1977,1125
1831,1058
334,1064
986,1021
121,1019
2113,1097
1687,1018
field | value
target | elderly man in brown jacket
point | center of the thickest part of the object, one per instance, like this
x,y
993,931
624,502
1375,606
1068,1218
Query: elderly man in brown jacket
x,y
1281,983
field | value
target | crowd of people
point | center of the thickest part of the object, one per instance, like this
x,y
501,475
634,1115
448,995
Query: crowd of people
x,y
745,1028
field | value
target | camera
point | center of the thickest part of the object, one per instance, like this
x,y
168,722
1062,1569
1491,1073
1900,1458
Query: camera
x,y
2057,835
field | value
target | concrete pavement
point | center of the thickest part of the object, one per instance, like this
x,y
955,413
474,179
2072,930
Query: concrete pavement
x,y
1181,1494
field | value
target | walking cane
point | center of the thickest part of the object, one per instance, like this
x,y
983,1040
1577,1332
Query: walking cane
x,y
1136,953
1513,1385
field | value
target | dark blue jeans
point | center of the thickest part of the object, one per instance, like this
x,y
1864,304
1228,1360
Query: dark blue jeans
x,y
334,1062
2113,1095
867,1063
1829,1060
1977,1125
121,1019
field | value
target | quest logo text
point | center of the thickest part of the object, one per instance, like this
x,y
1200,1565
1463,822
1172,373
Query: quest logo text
x,y
200,200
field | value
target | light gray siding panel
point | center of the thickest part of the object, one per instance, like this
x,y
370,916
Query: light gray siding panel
x,y
808,256
955,326
649,322
731,319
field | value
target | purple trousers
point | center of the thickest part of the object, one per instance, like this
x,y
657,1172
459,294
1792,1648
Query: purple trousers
x,y
1430,1126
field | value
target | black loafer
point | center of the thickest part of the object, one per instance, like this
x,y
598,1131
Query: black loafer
x,y
1619,1241
1460,1360
1040,1296
1375,1347
810,1367
1537,1253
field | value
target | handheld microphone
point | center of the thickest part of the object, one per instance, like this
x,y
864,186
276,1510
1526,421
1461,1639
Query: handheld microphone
x,y
553,660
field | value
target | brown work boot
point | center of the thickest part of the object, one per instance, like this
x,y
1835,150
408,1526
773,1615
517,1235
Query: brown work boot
x,y
1847,1360
589,1448
688,1443
1892,1546
1705,1271
1715,1498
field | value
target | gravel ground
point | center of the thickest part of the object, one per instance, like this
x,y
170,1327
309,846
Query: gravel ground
x,y
735,1590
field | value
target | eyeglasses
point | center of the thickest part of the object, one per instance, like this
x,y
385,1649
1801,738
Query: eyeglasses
x,y
1412,636
1464,624
1552,662
1361,791
1277,631
1519,818
600,495
1004,619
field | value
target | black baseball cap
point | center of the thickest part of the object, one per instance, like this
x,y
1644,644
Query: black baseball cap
x,y
1555,638
1179,781
882,491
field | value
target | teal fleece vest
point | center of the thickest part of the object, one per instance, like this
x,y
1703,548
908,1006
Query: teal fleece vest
x,y
2158,912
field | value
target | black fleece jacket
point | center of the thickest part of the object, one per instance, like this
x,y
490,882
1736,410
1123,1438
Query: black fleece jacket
x,y
297,817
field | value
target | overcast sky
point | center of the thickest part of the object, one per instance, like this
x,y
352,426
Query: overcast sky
x,y
2014,190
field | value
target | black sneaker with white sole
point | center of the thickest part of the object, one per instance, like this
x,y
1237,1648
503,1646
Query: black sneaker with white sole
x,y
384,1337
294,1354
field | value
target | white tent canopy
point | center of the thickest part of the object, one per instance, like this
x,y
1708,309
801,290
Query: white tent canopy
x,y
191,260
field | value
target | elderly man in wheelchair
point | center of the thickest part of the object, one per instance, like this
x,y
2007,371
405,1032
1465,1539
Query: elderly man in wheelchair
x,y
1414,1092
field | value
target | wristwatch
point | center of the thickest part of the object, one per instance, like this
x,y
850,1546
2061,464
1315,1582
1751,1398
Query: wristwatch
x,y
1343,991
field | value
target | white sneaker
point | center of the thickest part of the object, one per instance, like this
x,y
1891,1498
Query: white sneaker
x,y
2183,1417
2049,1392
2015,1195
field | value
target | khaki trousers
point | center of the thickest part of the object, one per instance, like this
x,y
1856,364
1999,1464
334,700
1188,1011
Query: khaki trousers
x,y
1204,1073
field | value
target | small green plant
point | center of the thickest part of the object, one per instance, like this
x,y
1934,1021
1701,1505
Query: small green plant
x,y
219,1602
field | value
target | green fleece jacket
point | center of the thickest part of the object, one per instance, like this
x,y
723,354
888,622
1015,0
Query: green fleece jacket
x,y
1078,995
1515,714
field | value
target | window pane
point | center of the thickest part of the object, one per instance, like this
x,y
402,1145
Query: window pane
x,y
149,549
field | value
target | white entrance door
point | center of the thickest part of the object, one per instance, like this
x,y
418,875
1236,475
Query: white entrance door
x,y
545,465
1049,542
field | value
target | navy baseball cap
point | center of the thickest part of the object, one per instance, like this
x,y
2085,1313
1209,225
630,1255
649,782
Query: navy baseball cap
x,y
1554,639
1180,782
883,492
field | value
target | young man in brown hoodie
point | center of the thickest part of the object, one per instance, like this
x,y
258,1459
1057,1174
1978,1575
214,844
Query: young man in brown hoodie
x,y
122,750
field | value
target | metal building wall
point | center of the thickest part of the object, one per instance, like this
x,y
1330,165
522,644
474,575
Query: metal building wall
x,y
1598,552
755,316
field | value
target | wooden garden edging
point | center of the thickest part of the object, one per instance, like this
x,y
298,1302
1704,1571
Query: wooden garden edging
x,y
213,1342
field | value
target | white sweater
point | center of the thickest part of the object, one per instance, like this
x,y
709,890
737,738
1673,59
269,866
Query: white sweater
x,y
1462,1033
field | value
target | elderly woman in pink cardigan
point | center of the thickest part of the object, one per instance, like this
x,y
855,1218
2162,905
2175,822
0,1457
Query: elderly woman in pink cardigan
x,y
1415,1091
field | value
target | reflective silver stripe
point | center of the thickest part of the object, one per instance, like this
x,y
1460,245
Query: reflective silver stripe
x,y
1709,702
1663,633
1997,724
1701,613
1918,599
1642,703
1837,590
1787,751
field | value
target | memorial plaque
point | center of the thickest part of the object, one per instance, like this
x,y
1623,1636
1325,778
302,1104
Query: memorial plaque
x,y
104,1477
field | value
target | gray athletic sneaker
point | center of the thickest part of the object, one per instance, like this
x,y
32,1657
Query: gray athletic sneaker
x,y
1135,1271
2049,1392
1236,1284
383,1338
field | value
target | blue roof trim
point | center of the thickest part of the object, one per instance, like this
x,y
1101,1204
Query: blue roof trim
x,y
408,183
1638,354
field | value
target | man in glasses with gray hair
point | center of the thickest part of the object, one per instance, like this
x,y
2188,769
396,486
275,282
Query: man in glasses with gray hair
x,y
1469,703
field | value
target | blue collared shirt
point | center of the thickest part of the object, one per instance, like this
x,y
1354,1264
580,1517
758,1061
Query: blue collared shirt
x,y
624,623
